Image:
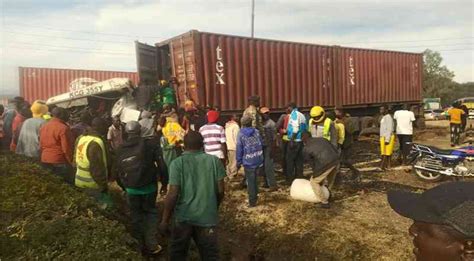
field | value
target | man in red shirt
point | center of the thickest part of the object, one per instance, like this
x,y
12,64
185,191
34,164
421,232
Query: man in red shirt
x,y
57,146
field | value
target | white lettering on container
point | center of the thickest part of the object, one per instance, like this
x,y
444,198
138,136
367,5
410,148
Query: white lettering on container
x,y
219,67
351,71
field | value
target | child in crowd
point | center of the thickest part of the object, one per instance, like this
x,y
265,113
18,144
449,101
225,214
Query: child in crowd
x,y
250,155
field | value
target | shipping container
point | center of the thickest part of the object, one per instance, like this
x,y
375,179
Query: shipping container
x,y
43,83
223,70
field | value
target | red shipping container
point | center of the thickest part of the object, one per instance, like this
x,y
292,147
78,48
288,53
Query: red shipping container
x,y
223,70
43,83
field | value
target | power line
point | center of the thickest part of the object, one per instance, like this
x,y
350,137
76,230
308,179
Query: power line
x,y
424,46
69,38
82,32
69,47
136,36
70,51
455,50
411,41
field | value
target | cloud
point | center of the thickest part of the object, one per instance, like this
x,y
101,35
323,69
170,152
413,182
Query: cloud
x,y
100,34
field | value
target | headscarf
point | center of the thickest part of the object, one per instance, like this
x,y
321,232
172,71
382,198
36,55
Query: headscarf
x,y
38,109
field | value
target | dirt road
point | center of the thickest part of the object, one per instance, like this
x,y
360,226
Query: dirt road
x,y
359,226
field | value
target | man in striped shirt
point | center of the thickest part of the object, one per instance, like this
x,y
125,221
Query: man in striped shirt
x,y
214,137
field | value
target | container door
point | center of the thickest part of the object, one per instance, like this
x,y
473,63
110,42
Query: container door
x,y
184,68
147,63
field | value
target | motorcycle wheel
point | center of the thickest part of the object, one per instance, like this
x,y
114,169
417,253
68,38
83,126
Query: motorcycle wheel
x,y
427,176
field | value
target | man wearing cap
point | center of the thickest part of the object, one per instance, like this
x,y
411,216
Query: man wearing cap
x,y
269,129
137,160
443,227
28,141
214,137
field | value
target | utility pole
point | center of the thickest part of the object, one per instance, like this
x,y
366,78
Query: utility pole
x,y
253,18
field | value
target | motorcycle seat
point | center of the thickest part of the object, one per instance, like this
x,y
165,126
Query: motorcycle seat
x,y
440,151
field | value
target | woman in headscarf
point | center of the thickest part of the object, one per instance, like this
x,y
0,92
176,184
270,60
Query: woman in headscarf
x,y
28,141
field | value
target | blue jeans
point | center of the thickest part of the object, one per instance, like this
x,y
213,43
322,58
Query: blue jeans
x,y
252,186
204,237
144,215
268,167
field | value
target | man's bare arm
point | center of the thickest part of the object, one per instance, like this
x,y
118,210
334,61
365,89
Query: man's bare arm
x,y
170,203
220,192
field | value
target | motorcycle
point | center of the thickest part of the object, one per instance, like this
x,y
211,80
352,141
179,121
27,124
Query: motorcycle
x,y
433,164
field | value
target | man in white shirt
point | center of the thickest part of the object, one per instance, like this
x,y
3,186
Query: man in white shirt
x,y
231,132
404,121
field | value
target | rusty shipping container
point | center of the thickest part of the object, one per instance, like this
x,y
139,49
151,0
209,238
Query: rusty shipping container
x,y
223,70
43,83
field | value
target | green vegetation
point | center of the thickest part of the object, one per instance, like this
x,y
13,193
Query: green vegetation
x,y
438,80
44,218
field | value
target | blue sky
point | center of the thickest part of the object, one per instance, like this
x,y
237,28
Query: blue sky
x,y
99,34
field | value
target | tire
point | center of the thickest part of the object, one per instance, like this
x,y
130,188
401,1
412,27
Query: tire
x,y
426,175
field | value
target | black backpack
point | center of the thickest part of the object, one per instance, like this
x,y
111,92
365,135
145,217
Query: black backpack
x,y
134,167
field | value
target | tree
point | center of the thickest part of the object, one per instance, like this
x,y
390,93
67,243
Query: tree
x,y
437,78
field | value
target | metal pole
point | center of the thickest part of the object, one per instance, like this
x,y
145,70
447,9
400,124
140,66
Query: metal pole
x,y
253,17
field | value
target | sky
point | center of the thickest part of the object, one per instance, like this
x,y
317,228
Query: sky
x,y
94,34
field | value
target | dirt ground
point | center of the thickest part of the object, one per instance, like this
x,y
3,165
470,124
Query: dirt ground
x,y
359,226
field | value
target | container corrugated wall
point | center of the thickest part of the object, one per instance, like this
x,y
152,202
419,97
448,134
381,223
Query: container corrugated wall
x,y
234,68
371,76
43,83
223,70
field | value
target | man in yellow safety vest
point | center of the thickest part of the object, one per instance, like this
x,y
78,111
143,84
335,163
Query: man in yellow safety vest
x,y
320,126
91,163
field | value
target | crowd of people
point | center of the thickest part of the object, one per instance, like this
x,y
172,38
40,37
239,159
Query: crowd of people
x,y
190,152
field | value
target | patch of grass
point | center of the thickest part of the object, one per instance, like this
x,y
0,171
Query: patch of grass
x,y
44,218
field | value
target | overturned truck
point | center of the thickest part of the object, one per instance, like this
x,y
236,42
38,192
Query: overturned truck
x,y
107,98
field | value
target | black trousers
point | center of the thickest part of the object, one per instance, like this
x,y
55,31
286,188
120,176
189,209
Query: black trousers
x,y
404,141
204,237
464,123
294,161
346,154
144,215
284,150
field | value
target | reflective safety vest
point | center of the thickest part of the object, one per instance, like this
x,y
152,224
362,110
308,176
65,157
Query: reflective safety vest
x,y
83,174
326,128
